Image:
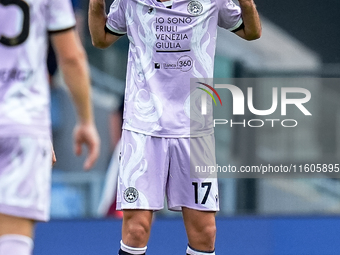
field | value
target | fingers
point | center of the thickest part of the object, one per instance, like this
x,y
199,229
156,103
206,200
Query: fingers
x,y
87,135
77,147
92,156
54,158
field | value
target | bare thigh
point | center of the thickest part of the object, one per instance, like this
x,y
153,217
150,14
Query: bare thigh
x,y
16,225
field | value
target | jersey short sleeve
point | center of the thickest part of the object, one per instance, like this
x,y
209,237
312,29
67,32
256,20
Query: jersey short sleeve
x,y
60,15
229,15
116,21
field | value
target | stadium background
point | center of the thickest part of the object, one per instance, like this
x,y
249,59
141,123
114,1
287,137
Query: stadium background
x,y
258,216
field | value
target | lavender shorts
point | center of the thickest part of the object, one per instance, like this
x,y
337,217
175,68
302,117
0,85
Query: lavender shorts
x,y
152,167
25,177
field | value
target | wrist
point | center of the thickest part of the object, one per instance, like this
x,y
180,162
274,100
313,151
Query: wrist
x,y
85,121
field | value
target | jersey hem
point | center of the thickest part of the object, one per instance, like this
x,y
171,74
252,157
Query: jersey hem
x,y
61,30
111,32
107,25
11,131
168,135
26,213
178,208
238,24
121,207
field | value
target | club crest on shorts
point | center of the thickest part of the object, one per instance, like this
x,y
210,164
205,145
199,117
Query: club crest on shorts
x,y
131,195
195,7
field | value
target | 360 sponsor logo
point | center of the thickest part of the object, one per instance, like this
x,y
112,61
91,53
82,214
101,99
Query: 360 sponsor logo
x,y
184,64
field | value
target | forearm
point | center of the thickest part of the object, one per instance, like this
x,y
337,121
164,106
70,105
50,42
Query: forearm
x,y
97,21
251,20
76,76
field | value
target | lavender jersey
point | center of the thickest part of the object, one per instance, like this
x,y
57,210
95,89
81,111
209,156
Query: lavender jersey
x,y
24,89
168,46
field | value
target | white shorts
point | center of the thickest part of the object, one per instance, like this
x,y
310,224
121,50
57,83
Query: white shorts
x,y
152,167
25,177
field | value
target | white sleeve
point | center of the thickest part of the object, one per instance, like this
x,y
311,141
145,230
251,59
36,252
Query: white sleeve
x,y
60,15
229,15
116,22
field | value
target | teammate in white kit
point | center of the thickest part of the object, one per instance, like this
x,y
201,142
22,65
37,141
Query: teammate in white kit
x,y
170,43
25,135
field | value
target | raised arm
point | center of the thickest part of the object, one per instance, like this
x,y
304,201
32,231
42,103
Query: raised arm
x,y
101,38
72,60
251,28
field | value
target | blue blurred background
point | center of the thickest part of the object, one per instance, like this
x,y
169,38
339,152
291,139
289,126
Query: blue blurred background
x,y
311,235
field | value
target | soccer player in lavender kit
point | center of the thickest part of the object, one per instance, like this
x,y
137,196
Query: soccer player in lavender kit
x,y
170,43
25,136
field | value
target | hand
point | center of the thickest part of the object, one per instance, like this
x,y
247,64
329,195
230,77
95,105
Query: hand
x,y
54,158
87,134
